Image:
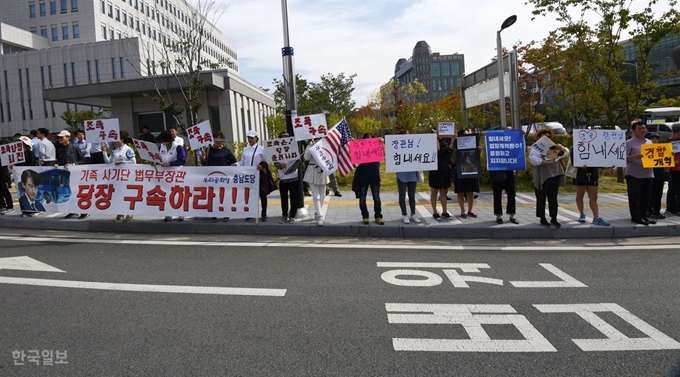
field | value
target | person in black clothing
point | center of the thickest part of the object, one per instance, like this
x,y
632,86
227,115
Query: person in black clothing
x,y
69,155
368,176
440,180
218,155
146,135
660,177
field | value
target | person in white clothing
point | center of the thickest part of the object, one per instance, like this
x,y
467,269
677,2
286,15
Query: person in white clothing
x,y
121,155
317,180
171,155
47,153
253,155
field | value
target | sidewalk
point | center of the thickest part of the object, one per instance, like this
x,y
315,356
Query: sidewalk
x,y
343,219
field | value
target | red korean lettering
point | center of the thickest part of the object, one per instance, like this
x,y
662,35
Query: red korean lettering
x,y
102,135
322,130
179,197
297,124
136,198
103,195
203,198
84,196
99,124
156,197
89,125
308,121
207,137
113,135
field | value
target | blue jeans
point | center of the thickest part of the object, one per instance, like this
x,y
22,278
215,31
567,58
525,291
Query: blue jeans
x,y
375,191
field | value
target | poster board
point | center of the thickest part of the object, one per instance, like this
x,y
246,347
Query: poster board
x,y
410,152
468,164
599,148
446,129
505,150
363,151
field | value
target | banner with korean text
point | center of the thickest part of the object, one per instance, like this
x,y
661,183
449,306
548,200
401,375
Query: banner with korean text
x,y
283,149
102,130
366,150
224,191
147,151
324,155
657,155
12,153
200,135
310,127
505,150
599,148
410,152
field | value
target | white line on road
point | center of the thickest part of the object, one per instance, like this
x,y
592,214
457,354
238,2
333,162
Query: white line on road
x,y
322,245
145,287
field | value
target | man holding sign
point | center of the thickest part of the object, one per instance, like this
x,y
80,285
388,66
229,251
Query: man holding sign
x,y
638,178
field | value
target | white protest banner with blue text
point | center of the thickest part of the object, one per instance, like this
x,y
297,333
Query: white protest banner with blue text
x,y
599,148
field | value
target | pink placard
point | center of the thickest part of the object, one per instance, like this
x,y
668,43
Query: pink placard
x,y
367,150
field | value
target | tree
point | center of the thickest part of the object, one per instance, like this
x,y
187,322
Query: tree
x,y
587,70
74,119
333,95
399,102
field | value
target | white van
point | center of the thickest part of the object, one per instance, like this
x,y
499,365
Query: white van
x,y
557,127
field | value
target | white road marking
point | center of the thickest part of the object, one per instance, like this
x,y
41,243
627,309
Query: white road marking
x,y
566,282
26,263
617,197
326,245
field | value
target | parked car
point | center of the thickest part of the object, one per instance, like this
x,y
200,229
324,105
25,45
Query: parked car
x,y
557,127
665,130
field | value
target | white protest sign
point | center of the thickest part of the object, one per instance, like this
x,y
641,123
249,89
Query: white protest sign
x,y
543,146
282,149
676,145
307,127
147,151
200,135
324,156
446,128
599,148
12,153
102,130
410,152
467,142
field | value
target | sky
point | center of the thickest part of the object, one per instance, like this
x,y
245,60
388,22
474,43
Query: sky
x,y
367,37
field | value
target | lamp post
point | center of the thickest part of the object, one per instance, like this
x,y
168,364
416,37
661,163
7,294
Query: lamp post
x,y
499,47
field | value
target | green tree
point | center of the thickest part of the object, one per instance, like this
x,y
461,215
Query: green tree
x,y
332,95
401,104
74,119
587,70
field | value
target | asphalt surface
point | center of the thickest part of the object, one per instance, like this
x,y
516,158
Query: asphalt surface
x,y
333,318
343,219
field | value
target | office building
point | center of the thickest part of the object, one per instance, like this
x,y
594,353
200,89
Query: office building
x,y
94,54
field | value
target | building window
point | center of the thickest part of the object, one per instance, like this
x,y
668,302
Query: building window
x,y
65,74
101,6
122,68
117,14
73,73
53,7
64,8
109,9
96,69
111,33
31,10
64,32
124,18
43,31
117,34
76,31
89,72
55,33
74,5
49,75
113,68
43,9
34,30
103,32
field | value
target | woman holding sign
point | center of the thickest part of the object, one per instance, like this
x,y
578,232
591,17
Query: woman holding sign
x,y
548,172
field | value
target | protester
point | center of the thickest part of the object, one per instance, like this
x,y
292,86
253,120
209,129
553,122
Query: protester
x,y
218,155
464,188
83,145
638,178
660,178
146,135
123,154
175,137
407,181
673,193
69,155
440,180
334,185
253,155
125,136
47,155
503,180
367,176
171,155
586,180
6,204
317,180
548,172
36,144
288,185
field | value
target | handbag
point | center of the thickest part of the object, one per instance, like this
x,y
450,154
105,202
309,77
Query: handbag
x,y
421,176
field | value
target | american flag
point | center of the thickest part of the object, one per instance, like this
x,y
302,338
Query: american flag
x,y
338,139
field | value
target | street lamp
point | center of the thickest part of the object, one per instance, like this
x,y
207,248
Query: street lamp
x,y
499,47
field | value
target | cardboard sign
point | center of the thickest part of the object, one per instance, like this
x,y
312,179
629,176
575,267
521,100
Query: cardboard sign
x,y
12,153
366,150
410,152
657,155
446,129
200,135
310,127
138,189
468,163
102,130
548,149
466,142
283,149
147,151
599,148
505,150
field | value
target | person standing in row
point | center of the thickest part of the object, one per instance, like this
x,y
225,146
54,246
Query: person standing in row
x,y
218,155
673,193
464,188
146,135
171,155
660,178
503,180
121,155
548,172
638,178
407,181
440,179
317,180
288,186
253,155
587,178
368,176
47,155
69,155
83,145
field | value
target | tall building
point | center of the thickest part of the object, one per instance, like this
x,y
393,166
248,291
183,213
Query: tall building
x,y
664,58
77,54
440,74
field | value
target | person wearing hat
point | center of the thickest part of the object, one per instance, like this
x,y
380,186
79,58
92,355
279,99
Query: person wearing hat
x,y
548,172
171,154
638,178
69,155
218,155
253,155
673,193
660,177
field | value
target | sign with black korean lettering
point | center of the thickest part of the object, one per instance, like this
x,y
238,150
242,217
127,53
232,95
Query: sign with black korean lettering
x,y
599,148
410,152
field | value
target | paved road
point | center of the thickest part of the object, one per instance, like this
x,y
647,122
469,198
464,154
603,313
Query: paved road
x,y
349,307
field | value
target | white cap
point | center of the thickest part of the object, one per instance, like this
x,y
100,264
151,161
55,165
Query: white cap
x,y
252,133
64,133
